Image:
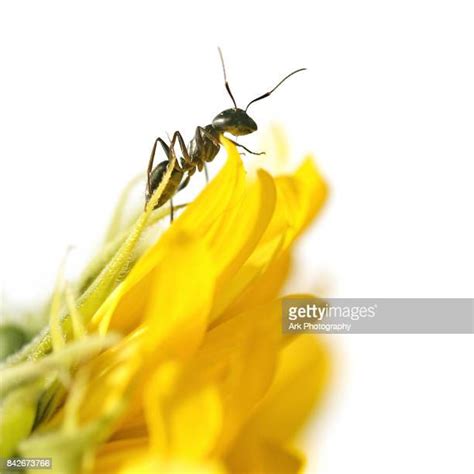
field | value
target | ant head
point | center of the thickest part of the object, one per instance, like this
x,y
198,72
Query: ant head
x,y
234,121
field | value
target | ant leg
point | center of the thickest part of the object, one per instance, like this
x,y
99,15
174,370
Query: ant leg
x,y
184,149
184,183
204,133
245,148
182,145
171,211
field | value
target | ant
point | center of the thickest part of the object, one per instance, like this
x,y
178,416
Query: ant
x,y
203,148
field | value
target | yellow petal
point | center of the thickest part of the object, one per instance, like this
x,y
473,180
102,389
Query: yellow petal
x,y
252,455
263,274
238,356
161,384
264,283
312,191
300,197
114,455
195,423
180,298
242,280
279,459
153,464
239,233
240,258
300,382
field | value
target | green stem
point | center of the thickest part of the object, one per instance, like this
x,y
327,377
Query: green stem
x,y
96,293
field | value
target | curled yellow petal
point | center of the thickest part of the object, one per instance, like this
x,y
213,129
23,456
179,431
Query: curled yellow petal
x,y
301,380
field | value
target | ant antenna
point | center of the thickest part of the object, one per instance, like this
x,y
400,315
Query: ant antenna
x,y
276,87
225,78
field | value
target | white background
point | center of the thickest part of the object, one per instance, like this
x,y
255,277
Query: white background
x,y
387,106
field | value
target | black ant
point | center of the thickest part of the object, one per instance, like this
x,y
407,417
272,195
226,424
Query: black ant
x,y
203,148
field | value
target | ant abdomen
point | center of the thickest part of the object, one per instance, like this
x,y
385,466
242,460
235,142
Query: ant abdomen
x,y
172,186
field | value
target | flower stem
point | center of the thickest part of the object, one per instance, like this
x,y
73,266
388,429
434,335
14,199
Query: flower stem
x,y
100,288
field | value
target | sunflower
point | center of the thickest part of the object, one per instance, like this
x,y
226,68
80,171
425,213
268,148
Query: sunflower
x,y
169,357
